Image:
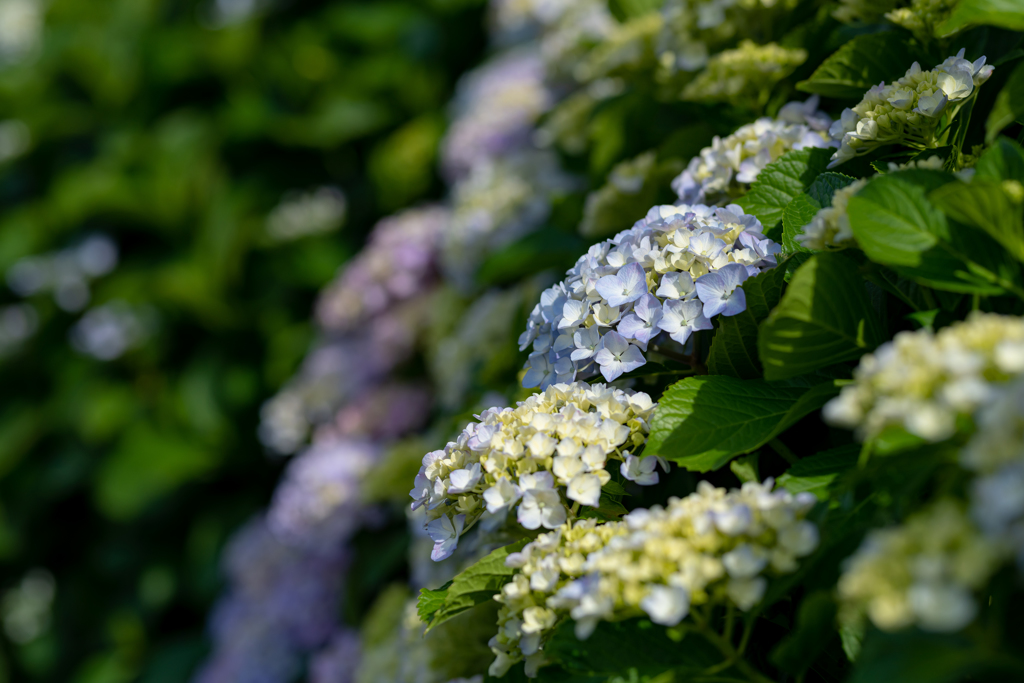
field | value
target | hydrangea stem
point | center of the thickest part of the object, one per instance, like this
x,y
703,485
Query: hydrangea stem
x,y
733,657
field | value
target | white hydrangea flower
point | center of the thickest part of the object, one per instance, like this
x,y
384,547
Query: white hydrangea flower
x,y
541,457
908,111
924,572
921,381
669,273
725,170
712,545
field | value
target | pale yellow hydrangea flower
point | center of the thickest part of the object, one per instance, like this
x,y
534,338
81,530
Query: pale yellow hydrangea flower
x,y
548,455
712,546
746,75
924,572
922,381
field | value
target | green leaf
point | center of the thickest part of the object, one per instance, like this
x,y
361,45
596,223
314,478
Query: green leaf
x,y
816,473
897,226
803,208
798,214
1003,13
745,468
983,204
824,318
734,347
1002,161
613,488
607,510
147,465
781,181
815,627
430,601
915,657
861,63
616,647
702,422
478,583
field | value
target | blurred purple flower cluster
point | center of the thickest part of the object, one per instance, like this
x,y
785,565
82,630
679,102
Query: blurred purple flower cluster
x,y
281,604
285,571
346,406
495,111
398,263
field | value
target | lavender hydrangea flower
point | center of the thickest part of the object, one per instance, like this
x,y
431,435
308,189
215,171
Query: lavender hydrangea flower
x,y
281,604
331,374
496,108
670,273
407,407
338,661
398,262
318,502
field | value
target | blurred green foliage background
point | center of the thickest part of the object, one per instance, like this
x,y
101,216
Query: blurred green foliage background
x,y
175,128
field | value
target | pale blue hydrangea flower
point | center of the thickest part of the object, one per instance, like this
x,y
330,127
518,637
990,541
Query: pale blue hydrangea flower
x,y
617,356
720,291
670,273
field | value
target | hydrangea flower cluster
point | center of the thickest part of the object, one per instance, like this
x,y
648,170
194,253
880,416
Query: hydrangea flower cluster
x,y
331,374
908,111
318,502
923,572
711,546
747,74
281,605
923,380
669,274
627,45
501,200
496,107
996,454
724,171
830,227
398,262
920,17
694,29
571,31
550,452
